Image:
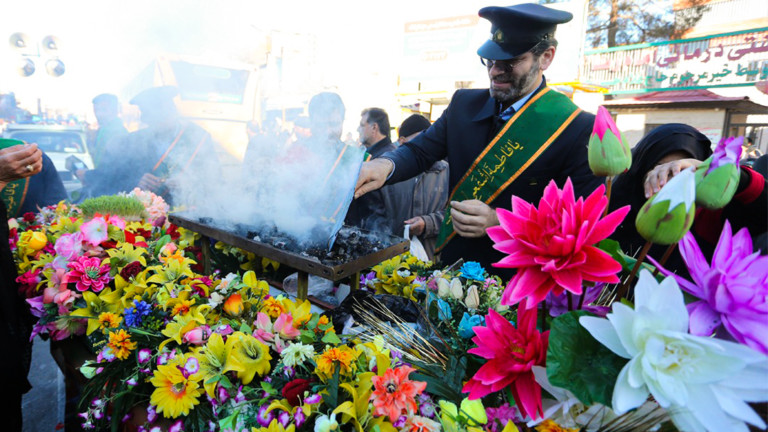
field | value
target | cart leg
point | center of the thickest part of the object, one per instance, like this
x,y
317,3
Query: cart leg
x,y
302,285
355,281
206,241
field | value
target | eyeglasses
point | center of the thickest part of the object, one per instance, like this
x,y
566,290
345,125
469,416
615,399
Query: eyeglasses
x,y
501,64
511,63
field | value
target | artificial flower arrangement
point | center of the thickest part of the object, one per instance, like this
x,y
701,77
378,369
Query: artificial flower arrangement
x,y
572,344
569,343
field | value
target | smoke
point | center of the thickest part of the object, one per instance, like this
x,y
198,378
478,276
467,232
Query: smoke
x,y
302,189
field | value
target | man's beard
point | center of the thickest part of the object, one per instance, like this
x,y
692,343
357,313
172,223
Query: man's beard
x,y
519,85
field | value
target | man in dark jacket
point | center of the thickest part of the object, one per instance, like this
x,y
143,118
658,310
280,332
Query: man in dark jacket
x,y
369,211
16,162
509,140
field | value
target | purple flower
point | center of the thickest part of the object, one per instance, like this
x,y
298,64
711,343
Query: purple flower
x,y
177,426
499,417
151,413
223,394
558,304
284,418
240,397
400,421
426,405
315,398
733,289
144,355
728,151
265,418
299,418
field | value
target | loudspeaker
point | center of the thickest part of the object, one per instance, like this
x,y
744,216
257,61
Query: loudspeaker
x,y
51,45
55,67
20,42
26,67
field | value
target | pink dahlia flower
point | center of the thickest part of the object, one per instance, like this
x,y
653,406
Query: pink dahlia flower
x,y
510,353
733,289
88,274
553,246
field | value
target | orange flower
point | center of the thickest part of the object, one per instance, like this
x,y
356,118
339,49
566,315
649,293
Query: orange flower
x,y
234,305
273,307
550,426
342,356
120,344
184,306
395,393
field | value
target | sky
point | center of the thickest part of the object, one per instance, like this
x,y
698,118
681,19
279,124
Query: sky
x,y
351,47
105,43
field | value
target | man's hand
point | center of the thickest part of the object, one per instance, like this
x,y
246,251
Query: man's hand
x,y
151,183
372,176
19,161
472,217
417,225
660,175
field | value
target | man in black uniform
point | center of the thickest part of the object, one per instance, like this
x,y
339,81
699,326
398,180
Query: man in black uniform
x,y
511,139
153,157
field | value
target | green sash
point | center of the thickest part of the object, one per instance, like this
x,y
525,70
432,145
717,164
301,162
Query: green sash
x,y
522,139
13,195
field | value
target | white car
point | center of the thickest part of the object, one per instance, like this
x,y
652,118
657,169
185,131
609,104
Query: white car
x,y
59,143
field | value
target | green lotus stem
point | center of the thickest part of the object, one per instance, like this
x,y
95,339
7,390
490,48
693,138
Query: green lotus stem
x,y
664,258
608,184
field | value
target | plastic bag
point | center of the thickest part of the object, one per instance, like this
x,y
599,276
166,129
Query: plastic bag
x,y
417,249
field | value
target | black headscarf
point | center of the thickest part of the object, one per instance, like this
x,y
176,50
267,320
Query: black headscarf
x,y
628,187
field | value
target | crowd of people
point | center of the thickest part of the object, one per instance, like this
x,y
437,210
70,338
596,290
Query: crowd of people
x,y
443,180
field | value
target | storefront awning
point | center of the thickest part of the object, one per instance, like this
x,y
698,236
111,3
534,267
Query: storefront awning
x,y
686,99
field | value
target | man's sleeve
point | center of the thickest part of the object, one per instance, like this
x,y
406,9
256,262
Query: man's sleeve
x,y
416,156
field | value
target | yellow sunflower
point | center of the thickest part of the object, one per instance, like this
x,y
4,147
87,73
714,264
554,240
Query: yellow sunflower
x,y
108,320
247,353
175,394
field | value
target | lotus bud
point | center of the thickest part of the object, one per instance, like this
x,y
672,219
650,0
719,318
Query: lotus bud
x,y
668,215
457,291
473,298
608,151
443,288
718,177
234,305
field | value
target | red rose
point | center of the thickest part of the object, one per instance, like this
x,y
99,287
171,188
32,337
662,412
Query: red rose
x,y
131,270
295,389
29,217
173,231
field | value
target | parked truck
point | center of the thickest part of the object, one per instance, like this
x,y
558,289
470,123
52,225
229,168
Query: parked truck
x,y
219,97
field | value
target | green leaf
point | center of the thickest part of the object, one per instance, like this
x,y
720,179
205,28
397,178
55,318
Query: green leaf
x,y
307,336
331,338
331,400
229,422
245,328
612,248
267,387
578,362
162,241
